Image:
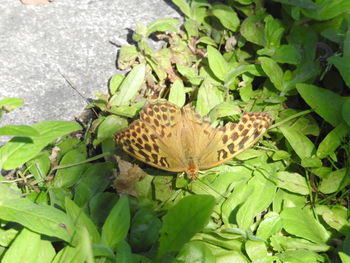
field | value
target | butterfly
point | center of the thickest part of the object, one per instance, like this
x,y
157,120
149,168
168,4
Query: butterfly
x,y
180,140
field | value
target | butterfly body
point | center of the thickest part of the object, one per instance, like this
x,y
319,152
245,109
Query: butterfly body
x,y
180,140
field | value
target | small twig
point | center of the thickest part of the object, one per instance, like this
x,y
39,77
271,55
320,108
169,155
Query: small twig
x,y
82,162
290,118
18,179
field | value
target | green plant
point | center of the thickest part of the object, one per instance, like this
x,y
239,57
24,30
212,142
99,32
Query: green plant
x,y
286,200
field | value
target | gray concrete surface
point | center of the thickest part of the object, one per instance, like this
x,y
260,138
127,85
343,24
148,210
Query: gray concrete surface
x,y
69,36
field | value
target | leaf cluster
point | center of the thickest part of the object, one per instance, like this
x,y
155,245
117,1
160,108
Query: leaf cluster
x,y
286,200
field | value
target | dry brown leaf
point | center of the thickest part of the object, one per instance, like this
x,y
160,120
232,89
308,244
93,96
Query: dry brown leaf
x,y
129,174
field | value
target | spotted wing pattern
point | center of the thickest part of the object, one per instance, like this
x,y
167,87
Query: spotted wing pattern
x,y
234,138
153,139
180,140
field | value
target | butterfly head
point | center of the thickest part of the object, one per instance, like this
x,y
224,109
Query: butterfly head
x,y
192,170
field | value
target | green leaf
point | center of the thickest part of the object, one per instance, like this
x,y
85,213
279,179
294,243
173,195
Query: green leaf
x,y
177,93
311,162
187,217
101,250
239,70
68,144
331,181
301,144
144,230
299,3
306,124
7,192
94,180
140,32
345,258
10,104
28,247
284,198
282,243
273,32
256,250
124,253
324,102
20,150
305,39
305,71
207,40
190,73
162,25
7,236
199,11
239,177
333,140
300,255
226,15
81,252
273,71
301,223
327,9
129,87
40,165
160,61
259,193
280,155
191,28
66,177
158,183
287,54
128,111
86,245
252,29
81,219
245,2
293,182
342,64
183,6
41,218
58,195
127,58
270,225
217,63
221,178
336,217
196,252
346,111
19,130
100,205
208,97
224,109
115,82
109,126
346,47
116,226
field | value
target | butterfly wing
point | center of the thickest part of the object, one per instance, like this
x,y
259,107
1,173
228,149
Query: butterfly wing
x,y
177,140
196,133
153,138
234,138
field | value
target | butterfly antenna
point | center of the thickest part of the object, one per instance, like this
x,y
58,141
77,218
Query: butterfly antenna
x,y
209,187
77,91
267,174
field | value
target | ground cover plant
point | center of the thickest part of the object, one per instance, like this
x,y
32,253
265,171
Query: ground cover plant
x,y
68,193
